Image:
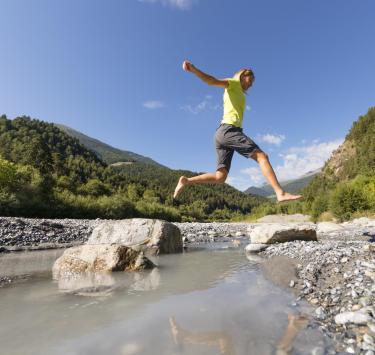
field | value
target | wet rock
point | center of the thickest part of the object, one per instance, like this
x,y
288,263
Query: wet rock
x,y
255,248
139,233
277,233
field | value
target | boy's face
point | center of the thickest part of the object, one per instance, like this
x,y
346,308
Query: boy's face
x,y
246,81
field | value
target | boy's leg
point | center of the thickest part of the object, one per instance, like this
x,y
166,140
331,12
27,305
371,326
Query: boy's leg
x,y
208,178
269,174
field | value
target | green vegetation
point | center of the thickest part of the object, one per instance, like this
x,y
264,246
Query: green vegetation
x,y
109,154
346,186
44,172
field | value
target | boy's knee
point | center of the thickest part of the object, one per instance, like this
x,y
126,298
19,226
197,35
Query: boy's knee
x,y
221,176
259,156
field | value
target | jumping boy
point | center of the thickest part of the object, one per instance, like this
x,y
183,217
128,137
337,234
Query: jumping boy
x,y
229,136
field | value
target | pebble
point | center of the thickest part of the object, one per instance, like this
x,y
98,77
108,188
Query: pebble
x,y
368,339
320,313
358,317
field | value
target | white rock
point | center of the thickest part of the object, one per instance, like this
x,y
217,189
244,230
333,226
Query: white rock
x,y
276,232
327,227
359,317
139,233
368,338
94,258
255,248
368,265
364,221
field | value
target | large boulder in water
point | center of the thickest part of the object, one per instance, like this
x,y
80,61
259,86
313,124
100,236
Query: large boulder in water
x,y
139,234
94,258
269,233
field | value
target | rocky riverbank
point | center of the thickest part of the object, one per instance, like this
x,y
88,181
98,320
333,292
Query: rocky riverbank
x,y
336,274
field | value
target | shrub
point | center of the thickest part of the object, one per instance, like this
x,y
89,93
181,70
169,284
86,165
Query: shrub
x,y
347,199
319,206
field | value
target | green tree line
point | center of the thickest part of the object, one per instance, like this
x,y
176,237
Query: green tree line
x,y
44,172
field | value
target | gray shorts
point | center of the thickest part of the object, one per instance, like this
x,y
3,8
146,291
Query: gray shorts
x,y
229,138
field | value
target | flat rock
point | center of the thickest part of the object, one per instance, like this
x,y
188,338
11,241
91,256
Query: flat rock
x,y
284,218
277,232
139,233
327,227
363,221
93,258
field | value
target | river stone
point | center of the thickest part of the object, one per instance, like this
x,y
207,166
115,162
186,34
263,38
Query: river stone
x,y
358,317
277,232
255,248
93,258
139,233
327,227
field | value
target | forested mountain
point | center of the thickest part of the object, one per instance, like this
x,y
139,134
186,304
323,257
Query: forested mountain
x,y
345,188
47,173
106,152
293,185
346,185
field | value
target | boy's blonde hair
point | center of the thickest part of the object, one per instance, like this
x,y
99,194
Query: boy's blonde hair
x,y
244,71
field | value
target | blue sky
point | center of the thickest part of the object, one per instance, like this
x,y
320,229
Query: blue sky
x,y
112,70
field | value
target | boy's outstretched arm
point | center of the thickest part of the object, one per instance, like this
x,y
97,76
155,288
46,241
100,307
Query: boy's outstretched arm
x,y
208,79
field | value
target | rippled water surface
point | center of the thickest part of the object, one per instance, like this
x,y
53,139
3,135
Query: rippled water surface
x,y
205,301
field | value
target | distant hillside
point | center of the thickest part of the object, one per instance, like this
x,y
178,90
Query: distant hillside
x,y
345,188
106,152
292,186
45,172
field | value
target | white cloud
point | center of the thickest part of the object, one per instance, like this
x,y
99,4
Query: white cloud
x,y
153,104
272,138
296,161
251,177
205,104
179,4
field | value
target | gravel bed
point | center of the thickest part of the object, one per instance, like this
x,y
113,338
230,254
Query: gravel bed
x,y
336,274
32,233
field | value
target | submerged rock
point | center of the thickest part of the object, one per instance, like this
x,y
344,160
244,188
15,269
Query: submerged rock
x,y
140,234
256,247
276,232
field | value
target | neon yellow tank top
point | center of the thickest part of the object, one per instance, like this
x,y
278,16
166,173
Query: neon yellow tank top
x,y
234,102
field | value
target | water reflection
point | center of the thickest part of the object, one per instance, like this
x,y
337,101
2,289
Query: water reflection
x,y
216,339
101,284
224,342
295,324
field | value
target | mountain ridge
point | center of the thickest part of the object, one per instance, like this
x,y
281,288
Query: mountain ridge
x,y
108,153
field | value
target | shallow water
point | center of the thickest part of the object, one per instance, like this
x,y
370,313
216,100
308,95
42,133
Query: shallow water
x,y
204,301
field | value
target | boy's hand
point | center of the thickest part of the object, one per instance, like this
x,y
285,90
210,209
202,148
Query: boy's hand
x,y
187,66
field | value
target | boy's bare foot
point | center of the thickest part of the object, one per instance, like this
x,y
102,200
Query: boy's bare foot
x,y
286,196
182,182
